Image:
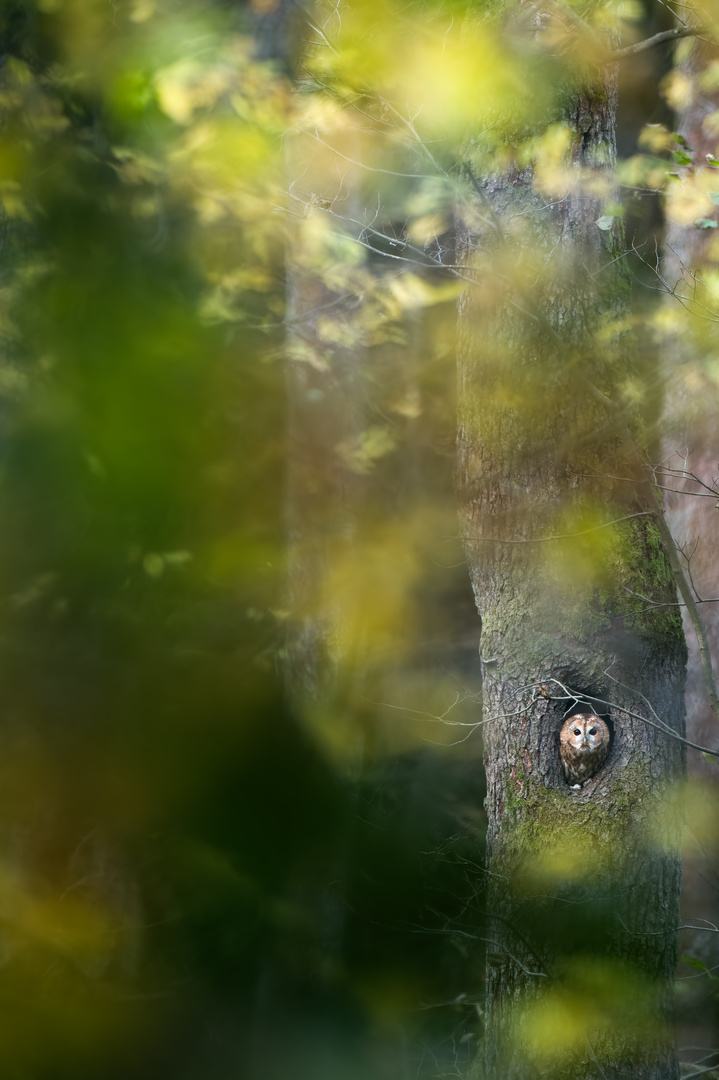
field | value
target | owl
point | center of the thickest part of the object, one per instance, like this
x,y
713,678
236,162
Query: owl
x,y
583,746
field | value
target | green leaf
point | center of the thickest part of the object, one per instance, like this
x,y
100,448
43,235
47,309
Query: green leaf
x,y
605,222
153,564
681,158
705,223
176,558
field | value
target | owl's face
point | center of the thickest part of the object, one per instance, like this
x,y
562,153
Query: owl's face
x,y
585,732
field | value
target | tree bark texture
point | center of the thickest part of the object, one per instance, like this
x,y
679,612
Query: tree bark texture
x,y
583,884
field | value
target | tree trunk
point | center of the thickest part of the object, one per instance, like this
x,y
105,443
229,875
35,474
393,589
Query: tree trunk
x,y
689,444
584,884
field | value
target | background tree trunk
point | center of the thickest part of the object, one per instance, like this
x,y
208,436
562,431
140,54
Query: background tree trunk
x,y
689,443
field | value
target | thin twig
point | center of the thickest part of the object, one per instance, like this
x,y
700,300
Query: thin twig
x,y
558,536
569,695
657,39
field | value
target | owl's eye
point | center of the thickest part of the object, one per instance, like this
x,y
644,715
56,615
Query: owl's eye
x,y
593,731
577,731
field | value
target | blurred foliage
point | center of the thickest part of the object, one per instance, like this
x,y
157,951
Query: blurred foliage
x,y
183,871
199,877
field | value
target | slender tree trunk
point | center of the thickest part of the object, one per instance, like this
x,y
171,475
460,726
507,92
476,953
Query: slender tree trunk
x,y
583,900
689,443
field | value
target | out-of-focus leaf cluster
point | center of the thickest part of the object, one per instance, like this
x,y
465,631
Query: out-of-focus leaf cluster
x,y
184,864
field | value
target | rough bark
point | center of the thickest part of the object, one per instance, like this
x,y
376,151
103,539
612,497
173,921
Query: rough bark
x,y
583,900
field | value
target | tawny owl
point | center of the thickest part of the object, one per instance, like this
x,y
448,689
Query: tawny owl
x,y
583,746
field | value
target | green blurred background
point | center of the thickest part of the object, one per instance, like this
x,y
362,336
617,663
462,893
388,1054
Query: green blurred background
x,y
192,883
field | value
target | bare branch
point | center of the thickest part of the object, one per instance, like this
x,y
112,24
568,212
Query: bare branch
x,y
657,39
370,168
658,723
558,536
699,1072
